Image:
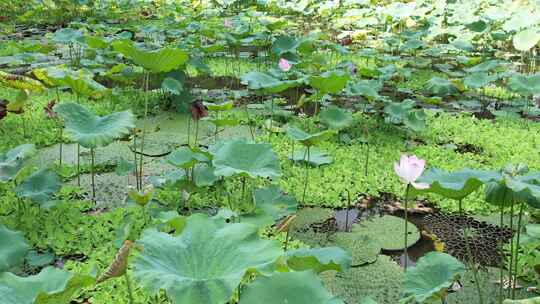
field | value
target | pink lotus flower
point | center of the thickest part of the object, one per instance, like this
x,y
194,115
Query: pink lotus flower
x,y
227,23
409,169
284,65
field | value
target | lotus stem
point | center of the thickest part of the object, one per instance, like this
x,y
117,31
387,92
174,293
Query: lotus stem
x,y
93,156
189,132
511,264
243,188
129,289
196,143
135,159
306,159
516,259
348,208
287,240
405,251
141,166
60,152
501,269
366,165
79,165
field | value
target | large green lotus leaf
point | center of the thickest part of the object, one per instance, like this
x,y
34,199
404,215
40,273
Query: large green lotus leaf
x,y
67,35
440,86
308,139
267,83
362,248
336,118
484,67
527,85
289,287
430,280
13,248
274,202
285,44
163,60
455,185
185,158
90,130
40,186
205,263
478,80
241,157
389,231
367,88
331,82
524,301
527,39
13,161
50,286
316,157
319,259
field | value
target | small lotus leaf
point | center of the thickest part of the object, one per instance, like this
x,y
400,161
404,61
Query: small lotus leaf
x,y
39,187
13,248
430,280
316,157
336,118
274,202
308,139
13,161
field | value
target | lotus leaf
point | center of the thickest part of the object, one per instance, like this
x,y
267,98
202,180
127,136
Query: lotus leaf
x,y
331,82
274,202
241,157
40,186
478,80
336,118
90,130
307,139
284,44
204,175
455,185
389,231
316,157
381,280
50,286
526,39
440,87
13,161
267,83
294,287
13,248
185,158
205,263
524,301
226,106
319,259
20,82
163,60
528,85
430,280
362,248
68,35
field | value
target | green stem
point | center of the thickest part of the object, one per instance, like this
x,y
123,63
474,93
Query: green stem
x,y
286,240
141,166
93,156
129,289
516,259
511,264
406,235
501,269
189,132
367,160
79,165
307,175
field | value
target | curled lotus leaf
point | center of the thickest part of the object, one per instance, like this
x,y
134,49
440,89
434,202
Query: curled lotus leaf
x,y
163,60
13,248
14,160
